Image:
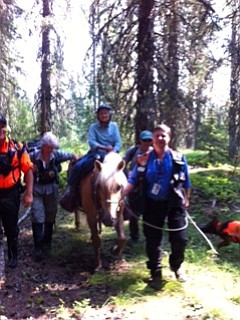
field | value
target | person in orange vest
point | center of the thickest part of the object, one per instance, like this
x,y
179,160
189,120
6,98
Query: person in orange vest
x,y
14,160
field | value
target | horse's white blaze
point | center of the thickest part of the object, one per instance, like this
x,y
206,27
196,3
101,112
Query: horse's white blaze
x,y
112,179
114,204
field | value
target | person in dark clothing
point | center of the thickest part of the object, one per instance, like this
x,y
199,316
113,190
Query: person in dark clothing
x,y
167,191
14,160
46,162
130,156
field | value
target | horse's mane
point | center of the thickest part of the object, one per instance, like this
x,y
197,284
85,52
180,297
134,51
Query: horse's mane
x,y
110,175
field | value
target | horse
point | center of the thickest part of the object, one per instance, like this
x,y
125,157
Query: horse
x,y
101,201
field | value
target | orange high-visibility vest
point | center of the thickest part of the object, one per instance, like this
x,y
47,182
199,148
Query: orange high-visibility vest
x,y
19,164
233,230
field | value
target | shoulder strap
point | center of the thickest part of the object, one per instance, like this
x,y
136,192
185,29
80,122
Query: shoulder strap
x,y
133,152
178,163
177,157
18,147
142,159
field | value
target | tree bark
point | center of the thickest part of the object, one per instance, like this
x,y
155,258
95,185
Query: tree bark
x,y
45,99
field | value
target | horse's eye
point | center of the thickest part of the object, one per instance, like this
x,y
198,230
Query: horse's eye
x,y
118,188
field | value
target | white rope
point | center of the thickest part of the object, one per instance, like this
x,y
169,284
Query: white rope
x,y
188,217
203,234
164,229
167,229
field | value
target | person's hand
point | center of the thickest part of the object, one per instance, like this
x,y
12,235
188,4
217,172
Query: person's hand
x,y
109,148
75,158
27,199
187,203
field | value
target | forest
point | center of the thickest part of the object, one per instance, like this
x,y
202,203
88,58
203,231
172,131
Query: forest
x,y
151,61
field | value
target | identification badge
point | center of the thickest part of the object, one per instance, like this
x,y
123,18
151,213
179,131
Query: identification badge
x,y
155,189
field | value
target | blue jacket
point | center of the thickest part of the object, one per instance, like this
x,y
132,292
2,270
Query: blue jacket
x,y
158,175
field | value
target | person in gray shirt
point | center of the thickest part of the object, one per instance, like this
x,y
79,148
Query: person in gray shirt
x,y
46,162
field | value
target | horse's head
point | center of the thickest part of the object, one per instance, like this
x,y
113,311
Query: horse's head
x,y
111,179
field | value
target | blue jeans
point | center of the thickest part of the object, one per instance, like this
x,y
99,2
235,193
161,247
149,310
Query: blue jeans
x,y
84,166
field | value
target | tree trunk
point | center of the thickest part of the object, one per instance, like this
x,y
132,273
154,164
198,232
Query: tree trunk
x,y
234,110
45,99
145,52
171,112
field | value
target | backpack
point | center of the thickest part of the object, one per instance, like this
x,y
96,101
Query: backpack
x,y
6,158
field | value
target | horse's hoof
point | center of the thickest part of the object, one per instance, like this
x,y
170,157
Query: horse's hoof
x,y
99,269
116,250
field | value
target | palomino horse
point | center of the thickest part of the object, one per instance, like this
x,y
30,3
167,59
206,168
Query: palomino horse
x,y
101,200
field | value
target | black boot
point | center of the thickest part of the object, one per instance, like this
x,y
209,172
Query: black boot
x,y
12,253
37,229
156,280
47,237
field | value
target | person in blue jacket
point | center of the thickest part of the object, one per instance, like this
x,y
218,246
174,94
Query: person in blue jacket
x,y
166,192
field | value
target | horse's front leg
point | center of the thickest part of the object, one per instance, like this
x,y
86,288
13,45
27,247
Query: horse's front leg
x,y
96,242
121,238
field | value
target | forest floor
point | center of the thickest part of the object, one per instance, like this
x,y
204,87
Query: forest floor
x,y
51,288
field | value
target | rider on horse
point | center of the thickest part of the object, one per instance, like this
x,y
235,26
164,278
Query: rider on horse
x,y
103,137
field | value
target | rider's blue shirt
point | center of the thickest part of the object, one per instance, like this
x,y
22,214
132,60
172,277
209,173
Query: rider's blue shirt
x,y
106,136
158,175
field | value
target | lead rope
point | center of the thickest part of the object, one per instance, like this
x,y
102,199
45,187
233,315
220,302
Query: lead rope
x,y
188,217
202,233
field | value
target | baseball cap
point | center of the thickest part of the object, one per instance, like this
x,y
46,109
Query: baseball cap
x,y
145,135
104,106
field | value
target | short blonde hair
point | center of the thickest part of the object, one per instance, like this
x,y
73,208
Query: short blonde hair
x,y
49,139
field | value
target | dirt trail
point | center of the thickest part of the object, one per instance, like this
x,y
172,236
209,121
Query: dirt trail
x,y
48,290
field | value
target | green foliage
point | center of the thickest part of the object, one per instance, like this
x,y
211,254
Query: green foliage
x,y
21,121
197,158
80,307
218,184
74,146
213,138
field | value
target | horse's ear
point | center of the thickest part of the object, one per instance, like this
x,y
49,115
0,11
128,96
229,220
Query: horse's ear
x,y
121,165
97,165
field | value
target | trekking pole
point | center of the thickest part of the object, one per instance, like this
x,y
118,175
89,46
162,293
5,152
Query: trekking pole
x,y
25,215
200,231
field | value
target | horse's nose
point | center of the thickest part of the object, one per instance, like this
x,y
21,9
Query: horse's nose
x,y
109,221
